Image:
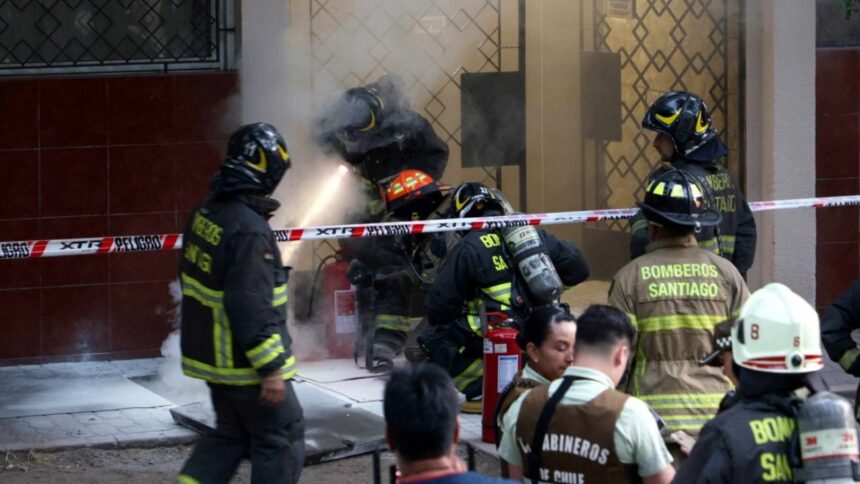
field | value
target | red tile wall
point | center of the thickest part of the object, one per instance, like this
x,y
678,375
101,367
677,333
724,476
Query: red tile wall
x,y
837,168
97,156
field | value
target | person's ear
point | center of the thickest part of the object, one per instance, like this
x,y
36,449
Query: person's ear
x,y
622,353
389,440
533,352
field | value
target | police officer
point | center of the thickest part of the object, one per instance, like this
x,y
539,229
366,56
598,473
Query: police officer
x,y
476,279
687,140
775,349
234,333
676,294
579,428
547,340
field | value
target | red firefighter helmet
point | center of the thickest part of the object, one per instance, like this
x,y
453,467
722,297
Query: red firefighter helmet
x,y
413,195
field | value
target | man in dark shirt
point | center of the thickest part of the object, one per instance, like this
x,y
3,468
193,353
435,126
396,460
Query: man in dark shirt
x,y
422,429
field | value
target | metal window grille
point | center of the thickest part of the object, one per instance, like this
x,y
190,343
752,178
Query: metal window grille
x,y
69,36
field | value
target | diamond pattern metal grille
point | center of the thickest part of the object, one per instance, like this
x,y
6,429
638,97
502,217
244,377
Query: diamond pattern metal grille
x,y
428,43
667,45
38,34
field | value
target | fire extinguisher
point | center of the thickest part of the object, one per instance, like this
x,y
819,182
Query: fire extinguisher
x,y
502,361
340,307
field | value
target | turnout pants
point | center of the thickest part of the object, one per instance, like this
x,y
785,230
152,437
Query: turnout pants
x,y
458,350
273,436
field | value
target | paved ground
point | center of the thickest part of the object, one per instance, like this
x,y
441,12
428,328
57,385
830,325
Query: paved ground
x,y
160,465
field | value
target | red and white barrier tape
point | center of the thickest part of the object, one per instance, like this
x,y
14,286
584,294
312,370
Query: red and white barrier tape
x,y
32,249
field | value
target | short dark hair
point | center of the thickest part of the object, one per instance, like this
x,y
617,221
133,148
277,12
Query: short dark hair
x,y
421,408
602,327
537,326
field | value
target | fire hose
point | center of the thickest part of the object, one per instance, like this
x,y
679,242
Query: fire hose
x,y
32,249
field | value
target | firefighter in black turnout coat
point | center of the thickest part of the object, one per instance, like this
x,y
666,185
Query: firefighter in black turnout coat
x,y
476,278
234,333
373,129
776,350
687,140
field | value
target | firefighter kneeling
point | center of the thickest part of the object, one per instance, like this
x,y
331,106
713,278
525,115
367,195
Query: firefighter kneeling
x,y
479,278
776,348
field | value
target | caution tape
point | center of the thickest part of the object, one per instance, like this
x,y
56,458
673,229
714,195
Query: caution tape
x,y
32,249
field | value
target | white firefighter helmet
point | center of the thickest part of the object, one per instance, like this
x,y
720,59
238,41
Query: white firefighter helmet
x,y
777,332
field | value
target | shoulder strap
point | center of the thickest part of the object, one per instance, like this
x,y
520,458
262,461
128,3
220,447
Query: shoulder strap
x,y
515,383
542,426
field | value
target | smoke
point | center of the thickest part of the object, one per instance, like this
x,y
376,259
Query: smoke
x,y
171,382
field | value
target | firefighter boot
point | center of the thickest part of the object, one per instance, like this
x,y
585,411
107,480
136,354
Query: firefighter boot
x,y
387,345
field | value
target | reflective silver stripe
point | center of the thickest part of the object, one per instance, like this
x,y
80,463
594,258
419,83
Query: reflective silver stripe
x,y
393,322
263,354
470,374
848,358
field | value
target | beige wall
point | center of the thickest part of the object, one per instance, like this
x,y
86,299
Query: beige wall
x,y
554,168
781,138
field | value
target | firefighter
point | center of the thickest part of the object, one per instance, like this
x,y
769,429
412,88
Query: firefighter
x,y
412,195
373,128
687,140
547,340
776,351
477,279
676,294
579,428
234,334
840,320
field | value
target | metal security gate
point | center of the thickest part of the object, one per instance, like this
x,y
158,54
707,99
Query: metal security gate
x,y
693,45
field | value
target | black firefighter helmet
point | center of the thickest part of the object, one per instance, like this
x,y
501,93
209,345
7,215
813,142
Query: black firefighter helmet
x,y
473,199
674,197
684,117
257,159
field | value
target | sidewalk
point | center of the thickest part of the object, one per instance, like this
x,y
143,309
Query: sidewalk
x,y
132,423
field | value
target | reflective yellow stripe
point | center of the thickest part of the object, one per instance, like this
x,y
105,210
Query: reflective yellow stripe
x,y
469,375
849,358
289,368
231,376
195,289
392,322
262,354
680,321
500,292
186,479
668,401
279,297
633,320
222,337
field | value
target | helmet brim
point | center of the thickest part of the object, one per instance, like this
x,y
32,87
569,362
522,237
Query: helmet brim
x,y
707,218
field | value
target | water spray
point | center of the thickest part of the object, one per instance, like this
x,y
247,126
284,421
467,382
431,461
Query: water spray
x,y
322,201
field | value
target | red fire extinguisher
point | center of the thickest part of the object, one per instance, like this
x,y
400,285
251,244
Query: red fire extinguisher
x,y
340,307
502,361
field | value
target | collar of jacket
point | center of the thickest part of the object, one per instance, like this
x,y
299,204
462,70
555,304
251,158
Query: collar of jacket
x,y
688,240
261,204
